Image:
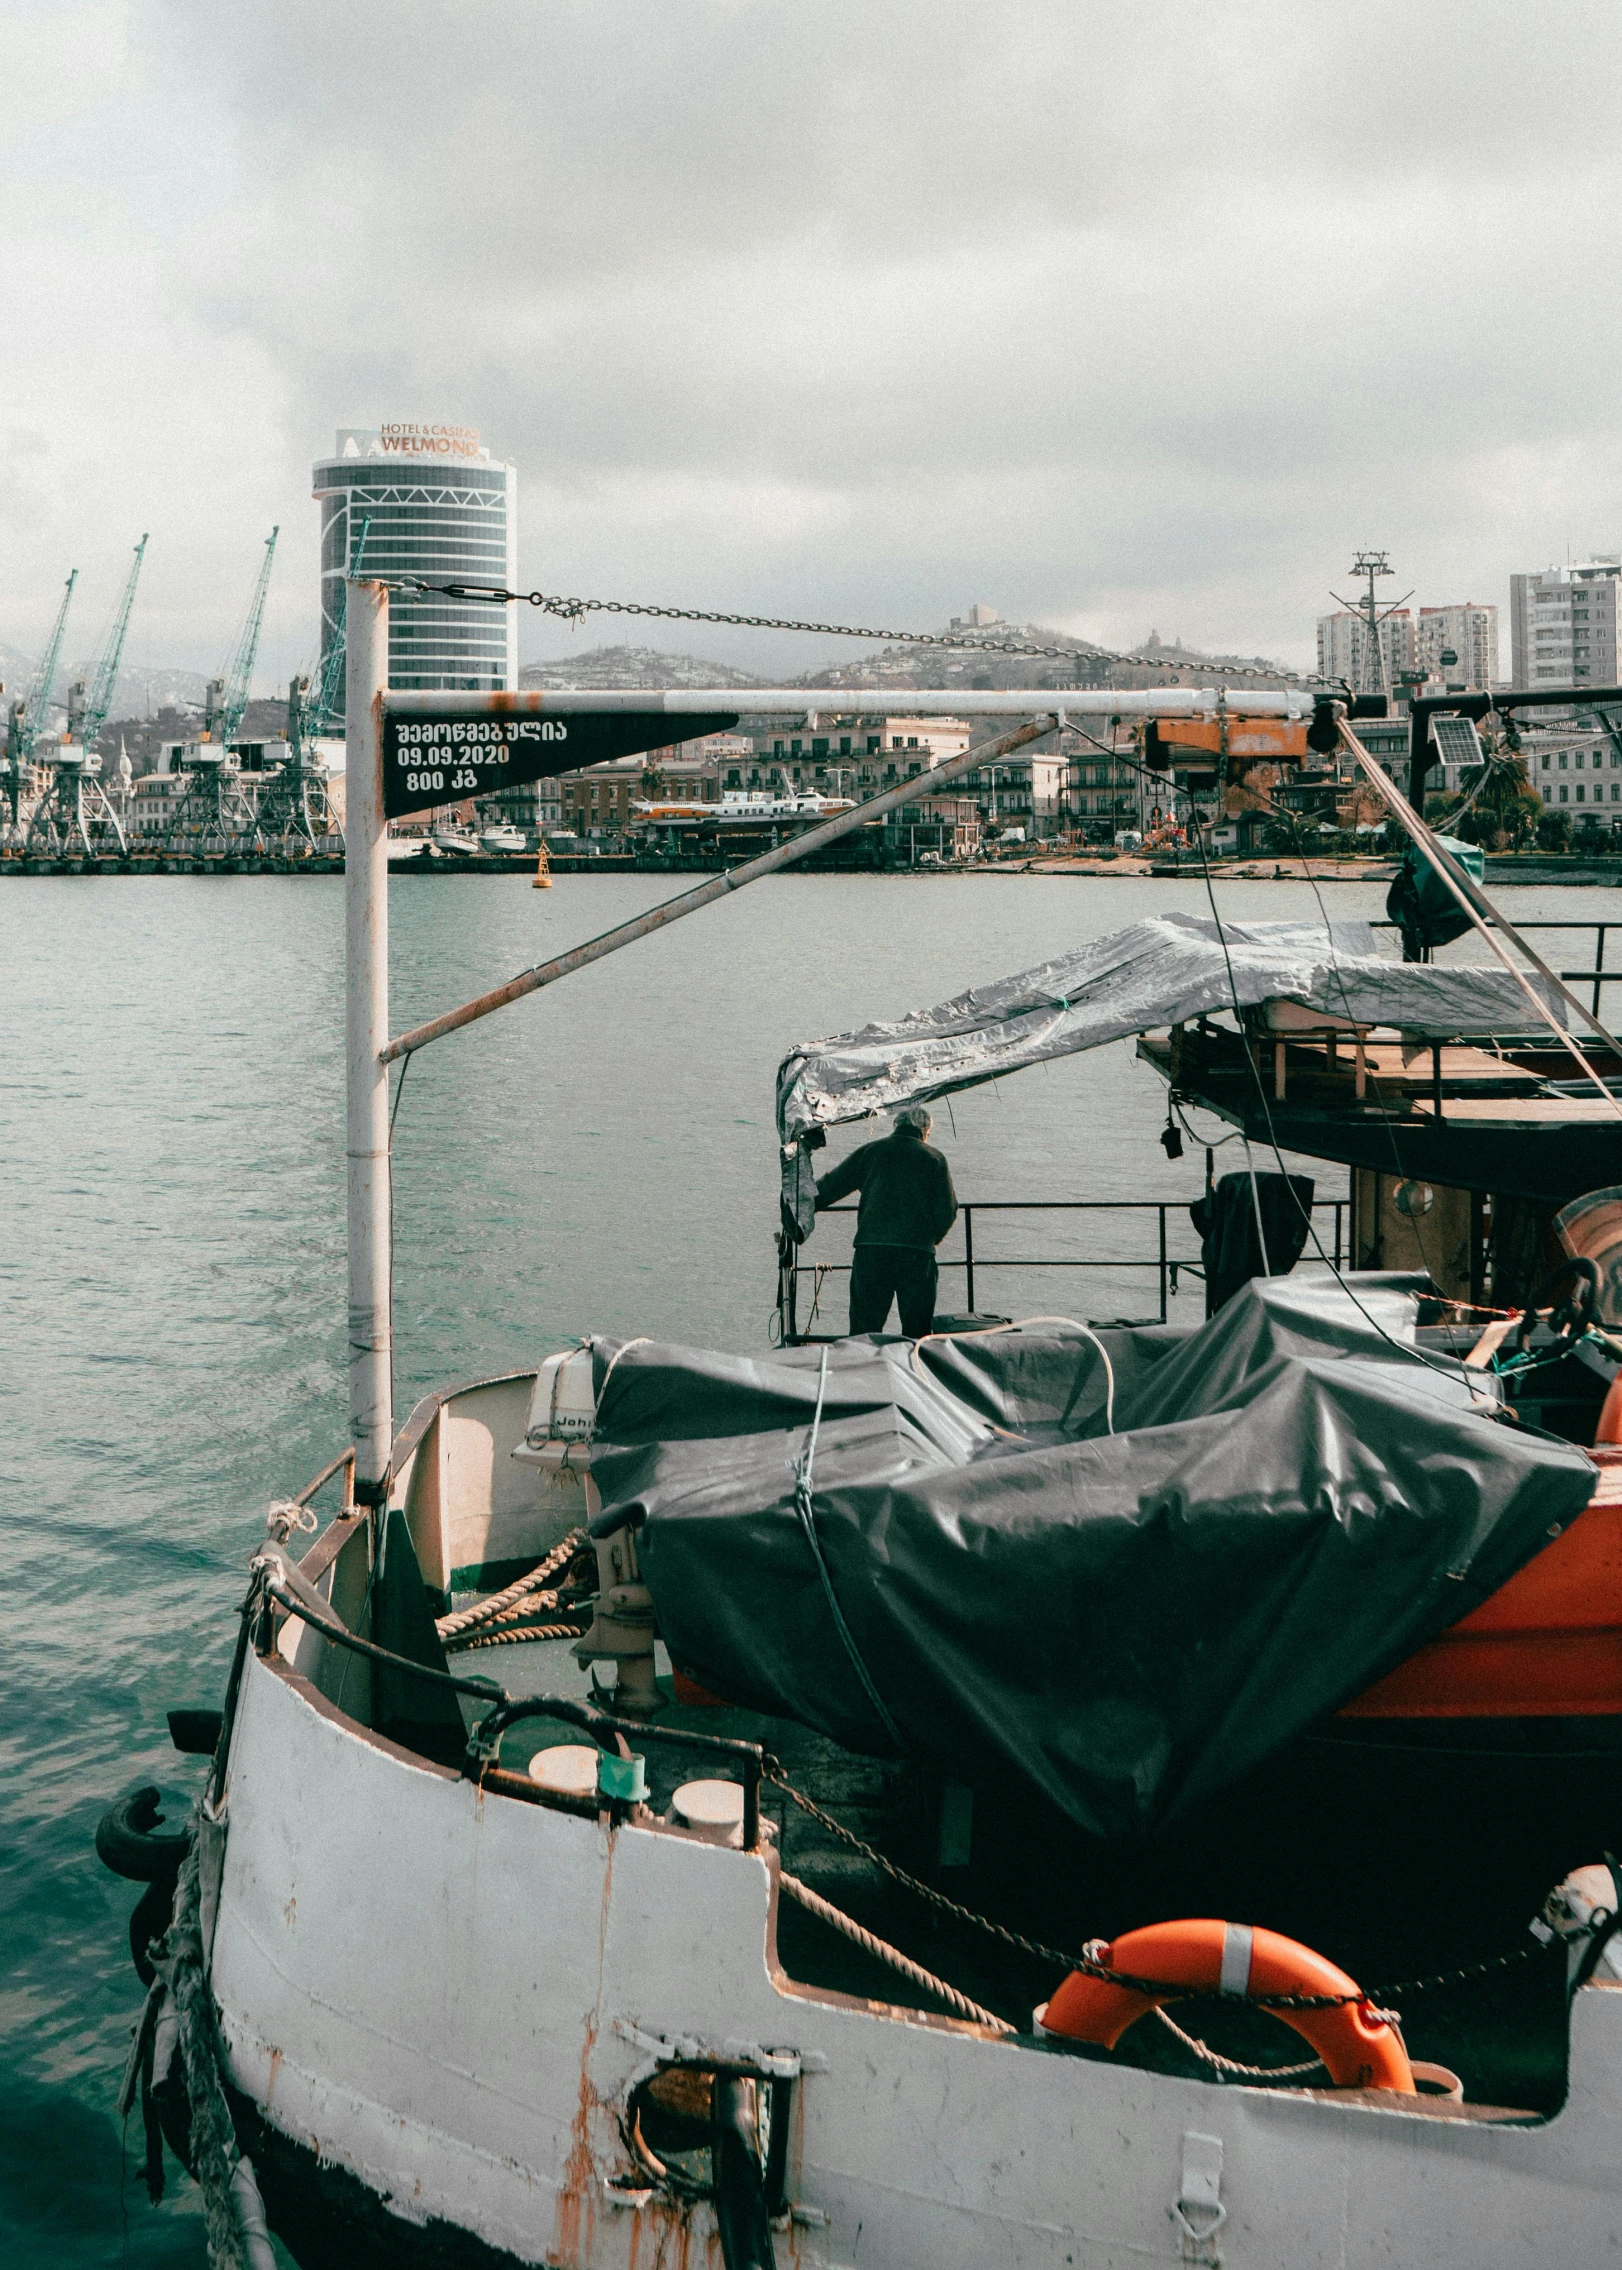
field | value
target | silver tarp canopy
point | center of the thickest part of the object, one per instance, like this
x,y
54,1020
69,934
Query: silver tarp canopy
x,y
1167,970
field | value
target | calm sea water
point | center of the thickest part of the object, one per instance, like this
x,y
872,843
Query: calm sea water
x,y
171,1288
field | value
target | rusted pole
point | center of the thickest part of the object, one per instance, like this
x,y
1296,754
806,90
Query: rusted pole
x,y
734,879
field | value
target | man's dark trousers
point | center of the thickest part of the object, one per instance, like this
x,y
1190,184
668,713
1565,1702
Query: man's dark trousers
x,y
902,1273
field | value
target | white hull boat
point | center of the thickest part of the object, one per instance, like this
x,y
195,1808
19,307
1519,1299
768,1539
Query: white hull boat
x,y
467,1971
443,2007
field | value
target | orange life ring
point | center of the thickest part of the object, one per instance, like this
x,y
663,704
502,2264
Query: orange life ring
x,y
1360,2048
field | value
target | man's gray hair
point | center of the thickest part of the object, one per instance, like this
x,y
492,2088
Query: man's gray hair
x,y
915,1115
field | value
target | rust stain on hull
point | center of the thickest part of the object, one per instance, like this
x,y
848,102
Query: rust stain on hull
x,y
575,2230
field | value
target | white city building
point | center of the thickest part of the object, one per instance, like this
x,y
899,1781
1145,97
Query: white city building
x,y
1345,651
1470,634
435,503
1563,624
1581,776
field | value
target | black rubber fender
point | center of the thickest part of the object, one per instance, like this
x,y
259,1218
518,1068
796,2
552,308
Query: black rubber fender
x,y
196,1733
128,1839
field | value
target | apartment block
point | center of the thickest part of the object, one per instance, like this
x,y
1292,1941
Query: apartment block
x,y
1563,624
1470,634
1577,775
1345,649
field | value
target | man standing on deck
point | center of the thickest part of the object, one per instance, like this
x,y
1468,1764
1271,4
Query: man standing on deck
x,y
907,1206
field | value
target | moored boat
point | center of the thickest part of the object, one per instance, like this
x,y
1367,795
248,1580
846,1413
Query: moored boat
x,y
859,1712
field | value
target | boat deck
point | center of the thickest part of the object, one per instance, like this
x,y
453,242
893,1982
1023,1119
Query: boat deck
x,y
1463,1117
1259,1853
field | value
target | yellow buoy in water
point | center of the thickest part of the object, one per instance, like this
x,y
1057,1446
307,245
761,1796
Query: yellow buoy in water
x,y
543,871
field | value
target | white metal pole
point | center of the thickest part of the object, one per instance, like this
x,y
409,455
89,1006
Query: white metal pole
x,y
366,939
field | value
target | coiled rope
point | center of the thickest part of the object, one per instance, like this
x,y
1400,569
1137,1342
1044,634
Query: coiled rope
x,y
493,1610
511,1637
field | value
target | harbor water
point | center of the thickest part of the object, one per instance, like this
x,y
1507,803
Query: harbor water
x,y
599,1157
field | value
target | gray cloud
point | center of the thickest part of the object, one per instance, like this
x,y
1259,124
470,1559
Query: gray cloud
x,y
1109,317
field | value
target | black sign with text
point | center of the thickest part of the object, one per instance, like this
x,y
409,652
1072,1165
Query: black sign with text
x,y
439,760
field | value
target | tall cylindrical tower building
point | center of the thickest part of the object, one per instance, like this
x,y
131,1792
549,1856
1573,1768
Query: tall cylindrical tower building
x,y
433,503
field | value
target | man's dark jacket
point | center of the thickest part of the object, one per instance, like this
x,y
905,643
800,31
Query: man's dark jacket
x,y
906,1187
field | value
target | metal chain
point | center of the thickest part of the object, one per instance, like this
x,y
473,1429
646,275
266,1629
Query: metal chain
x,y
773,1772
573,610
1088,1962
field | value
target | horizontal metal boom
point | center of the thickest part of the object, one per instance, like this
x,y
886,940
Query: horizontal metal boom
x,y
849,701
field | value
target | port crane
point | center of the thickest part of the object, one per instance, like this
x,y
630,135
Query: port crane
x,y
216,817
90,706
295,812
226,702
25,721
325,714
73,819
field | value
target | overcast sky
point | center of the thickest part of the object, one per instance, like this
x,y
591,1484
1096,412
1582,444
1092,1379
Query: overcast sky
x,y
1112,317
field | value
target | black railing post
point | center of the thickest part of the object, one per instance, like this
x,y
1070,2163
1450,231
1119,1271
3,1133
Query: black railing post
x,y
1163,1306
968,1254
1599,960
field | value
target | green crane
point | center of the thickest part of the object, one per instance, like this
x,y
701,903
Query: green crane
x,y
89,707
226,702
73,818
25,721
323,711
296,818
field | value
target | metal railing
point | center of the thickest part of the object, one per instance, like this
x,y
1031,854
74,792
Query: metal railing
x,y
1596,977
1166,1265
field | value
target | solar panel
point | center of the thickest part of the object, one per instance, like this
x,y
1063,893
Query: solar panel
x,y
1457,741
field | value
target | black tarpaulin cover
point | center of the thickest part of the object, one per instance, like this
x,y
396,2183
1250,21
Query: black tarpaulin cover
x,y
1289,1506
